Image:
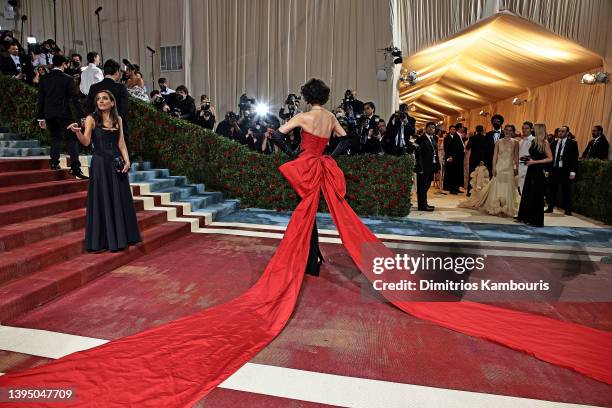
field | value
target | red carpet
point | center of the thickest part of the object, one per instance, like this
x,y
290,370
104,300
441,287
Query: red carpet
x,y
212,344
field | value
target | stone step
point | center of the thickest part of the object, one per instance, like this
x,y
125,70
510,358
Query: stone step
x,y
203,201
29,143
23,152
182,192
221,209
141,166
162,183
11,136
139,176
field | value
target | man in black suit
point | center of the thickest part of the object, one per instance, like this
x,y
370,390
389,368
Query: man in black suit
x,y
368,125
454,152
598,146
563,171
56,92
112,74
477,145
14,64
401,127
427,165
491,138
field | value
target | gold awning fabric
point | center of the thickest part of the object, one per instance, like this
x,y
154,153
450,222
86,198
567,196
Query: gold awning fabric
x,y
499,57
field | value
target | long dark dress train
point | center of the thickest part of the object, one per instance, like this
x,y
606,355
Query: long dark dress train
x,y
176,364
111,217
531,209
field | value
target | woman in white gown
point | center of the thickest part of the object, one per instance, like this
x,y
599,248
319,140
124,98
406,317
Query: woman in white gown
x,y
500,195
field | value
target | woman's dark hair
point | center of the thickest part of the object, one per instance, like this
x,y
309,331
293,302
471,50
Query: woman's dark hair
x,y
114,116
315,92
511,127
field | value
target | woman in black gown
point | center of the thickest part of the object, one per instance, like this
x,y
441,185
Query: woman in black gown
x,y
531,210
111,217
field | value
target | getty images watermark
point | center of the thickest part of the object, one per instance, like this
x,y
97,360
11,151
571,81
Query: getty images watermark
x,y
459,276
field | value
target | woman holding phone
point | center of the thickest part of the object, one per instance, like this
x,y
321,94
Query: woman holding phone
x,y
111,217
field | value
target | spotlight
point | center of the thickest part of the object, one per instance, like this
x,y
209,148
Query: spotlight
x,y
262,109
598,77
439,123
397,60
409,78
518,101
460,118
396,52
484,113
31,39
412,108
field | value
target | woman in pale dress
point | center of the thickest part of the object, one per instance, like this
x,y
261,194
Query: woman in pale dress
x,y
135,84
500,195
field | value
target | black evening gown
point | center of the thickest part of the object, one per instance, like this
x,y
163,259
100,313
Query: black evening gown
x,y
531,210
111,217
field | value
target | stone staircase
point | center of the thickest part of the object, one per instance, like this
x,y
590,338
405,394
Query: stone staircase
x,y
15,145
159,182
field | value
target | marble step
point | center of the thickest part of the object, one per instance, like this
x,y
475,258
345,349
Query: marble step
x,y
183,192
140,176
140,166
161,183
11,136
203,201
28,143
23,152
221,209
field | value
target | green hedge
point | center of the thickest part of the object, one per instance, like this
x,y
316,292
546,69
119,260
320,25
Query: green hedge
x,y
592,192
376,185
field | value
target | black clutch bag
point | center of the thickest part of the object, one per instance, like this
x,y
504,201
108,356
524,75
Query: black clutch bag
x,y
118,163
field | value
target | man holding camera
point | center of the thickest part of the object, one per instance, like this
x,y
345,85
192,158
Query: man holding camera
x,y
158,101
368,125
164,91
291,108
205,114
55,96
181,104
401,128
230,129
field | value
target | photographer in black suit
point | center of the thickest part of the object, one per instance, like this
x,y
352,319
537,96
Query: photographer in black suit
x,y
56,92
563,171
401,127
427,164
15,64
478,147
598,146
367,124
112,75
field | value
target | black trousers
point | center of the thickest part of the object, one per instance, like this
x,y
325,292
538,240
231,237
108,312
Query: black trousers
x,y
559,179
314,252
423,183
59,132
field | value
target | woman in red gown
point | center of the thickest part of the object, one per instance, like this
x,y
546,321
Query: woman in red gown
x,y
176,364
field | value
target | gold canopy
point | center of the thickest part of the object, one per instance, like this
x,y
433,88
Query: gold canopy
x,y
497,58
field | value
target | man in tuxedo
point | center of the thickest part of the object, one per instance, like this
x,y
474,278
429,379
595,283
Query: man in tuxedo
x,y
368,124
563,171
477,147
491,139
427,164
401,128
598,146
111,83
13,64
56,93
453,161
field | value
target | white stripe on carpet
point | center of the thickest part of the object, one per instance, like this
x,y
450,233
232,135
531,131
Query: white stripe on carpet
x,y
291,383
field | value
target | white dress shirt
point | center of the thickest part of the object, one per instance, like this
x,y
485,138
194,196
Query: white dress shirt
x,y
89,76
43,59
17,61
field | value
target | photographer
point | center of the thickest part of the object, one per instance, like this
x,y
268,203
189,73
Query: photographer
x,y
401,128
158,101
181,104
230,129
351,103
245,106
75,68
164,90
367,125
291,108
205,114
44,54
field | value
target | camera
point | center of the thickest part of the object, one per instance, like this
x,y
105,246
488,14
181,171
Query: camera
x,y
231,118
291,107
245,105
348,97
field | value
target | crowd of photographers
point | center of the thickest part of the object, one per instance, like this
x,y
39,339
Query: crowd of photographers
x,y
368,132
